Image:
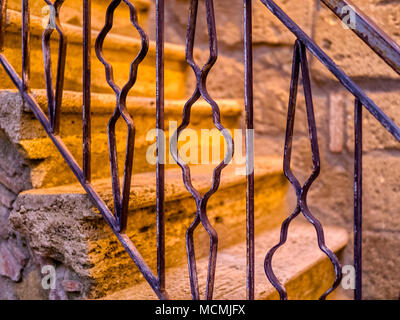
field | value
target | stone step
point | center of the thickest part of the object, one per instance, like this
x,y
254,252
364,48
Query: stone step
x,y
25,131
119,51
305,271
71,13
62,223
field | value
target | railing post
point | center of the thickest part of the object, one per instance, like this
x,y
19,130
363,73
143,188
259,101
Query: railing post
x,y
25,29
248,57
87,45
160,7
358,198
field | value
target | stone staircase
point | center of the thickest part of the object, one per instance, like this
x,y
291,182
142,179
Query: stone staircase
x,y
61,223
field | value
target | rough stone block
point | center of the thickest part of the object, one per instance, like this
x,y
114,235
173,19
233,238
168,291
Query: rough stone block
x,y
11,261
347,50
381,191
6,196
270,30
381,260
375,136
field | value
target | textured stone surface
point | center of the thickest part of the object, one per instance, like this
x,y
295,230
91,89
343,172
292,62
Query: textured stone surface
x,y
375,136
347,50
71,286
12,261
381,192
269,30
61,223
300,266
381,260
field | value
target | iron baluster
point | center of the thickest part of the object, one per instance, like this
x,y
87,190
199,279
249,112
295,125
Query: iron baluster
x,y
121,203
160,144
26,63
358,198
54,99
87,47
201,200
300,60
248,60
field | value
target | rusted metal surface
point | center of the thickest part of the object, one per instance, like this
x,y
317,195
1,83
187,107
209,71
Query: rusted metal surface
x,y
249,99
300,60
160,7
86,80
117,221
54,98
201,200
368,32
358,198
121,202
26,63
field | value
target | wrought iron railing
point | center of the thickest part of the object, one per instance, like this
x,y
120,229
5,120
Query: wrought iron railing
x,y
388,50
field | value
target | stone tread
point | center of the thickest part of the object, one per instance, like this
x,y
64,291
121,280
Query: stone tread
x,y
143,184
105,103
299,256
101,104
113,41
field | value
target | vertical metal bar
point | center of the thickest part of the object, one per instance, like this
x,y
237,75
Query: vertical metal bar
x,y
26,63
248,57
3,21
160,145
87,44
358,198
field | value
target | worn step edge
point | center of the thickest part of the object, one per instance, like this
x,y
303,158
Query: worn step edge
x,y
174,189
297,265
101,103
105,103
113,41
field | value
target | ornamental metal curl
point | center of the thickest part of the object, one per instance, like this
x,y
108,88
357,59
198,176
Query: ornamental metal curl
x,y
54,99
300,59
121,204
201,200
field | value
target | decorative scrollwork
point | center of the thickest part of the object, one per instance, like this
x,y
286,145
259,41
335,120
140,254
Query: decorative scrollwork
x,y
121,204
300,59
54,99
201,200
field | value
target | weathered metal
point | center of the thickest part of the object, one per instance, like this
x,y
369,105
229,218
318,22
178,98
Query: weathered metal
x,y
26,59
121,203
248,61
86,80
358,198
300,60
160,7
387,49
201,200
